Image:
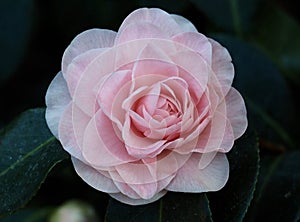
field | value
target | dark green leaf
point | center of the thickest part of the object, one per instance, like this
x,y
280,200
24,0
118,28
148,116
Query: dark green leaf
x,y
186,207
278,195
29,215
172,207
267,95
28,151
232,15
231,203
279,36
16,17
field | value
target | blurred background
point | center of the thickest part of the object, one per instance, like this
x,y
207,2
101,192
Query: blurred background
x,y
263,37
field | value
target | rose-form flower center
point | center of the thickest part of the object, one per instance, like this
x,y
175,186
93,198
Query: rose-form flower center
x,y
160,117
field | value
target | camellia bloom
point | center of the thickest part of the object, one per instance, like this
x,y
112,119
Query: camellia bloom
x,y
147,109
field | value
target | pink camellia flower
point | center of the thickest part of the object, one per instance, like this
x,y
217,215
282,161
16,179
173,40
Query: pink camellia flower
x,y
147,109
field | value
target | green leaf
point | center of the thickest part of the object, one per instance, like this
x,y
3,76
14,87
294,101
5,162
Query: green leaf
x,y
30,215
278,35
28,151
185,207
270,110
277,196
16,18
231,203
232,15
172,207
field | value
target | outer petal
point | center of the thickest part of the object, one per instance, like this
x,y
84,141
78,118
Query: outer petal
x,y
236,112
185,25
194,70
217,136
154,16
222,66
124,199
67,135
196,42
101,146
94,178
87,40
139,30
194,180
77,67
57,99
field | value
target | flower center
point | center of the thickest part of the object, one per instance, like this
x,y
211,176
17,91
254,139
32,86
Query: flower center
x,y
159,119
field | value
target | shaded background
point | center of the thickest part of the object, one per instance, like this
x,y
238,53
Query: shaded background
x,y
35,33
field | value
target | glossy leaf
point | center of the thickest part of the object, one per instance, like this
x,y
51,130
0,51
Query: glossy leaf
x,y
29,215
172,207
231,203
186,207
16,18
278,195
232,15
28,151
278,35
270,109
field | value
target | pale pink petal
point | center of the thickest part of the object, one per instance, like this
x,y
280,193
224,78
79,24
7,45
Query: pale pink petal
x,y
67,134
236,112
144,191
101,146
110,88
191,179
57,99
139,30
154,61
196,42
185,24
140,146
218,135
206,159
77,67
194,70
154,16
125,199
164,166
93,177
222,65
109,61
123,187
87,40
